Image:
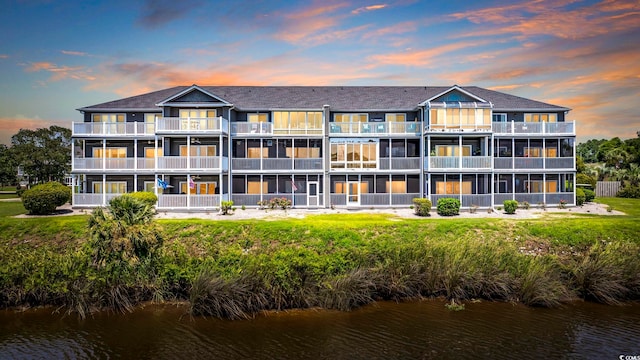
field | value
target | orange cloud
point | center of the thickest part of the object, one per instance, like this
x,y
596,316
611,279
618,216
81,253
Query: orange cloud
x,y
399,28
419,58
61,72
314,25
10,126
369,8
553,18
4,56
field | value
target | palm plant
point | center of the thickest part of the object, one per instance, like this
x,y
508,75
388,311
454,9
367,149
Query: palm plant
x,y
123,233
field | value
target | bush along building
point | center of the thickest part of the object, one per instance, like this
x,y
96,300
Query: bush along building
x,y
328,146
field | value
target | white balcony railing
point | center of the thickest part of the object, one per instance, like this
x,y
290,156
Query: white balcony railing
x,y
533,163
92,200
538,128
193,163
412,163
374,128
244,128
183,201
457,128
113,129
192,125
277,164
457,162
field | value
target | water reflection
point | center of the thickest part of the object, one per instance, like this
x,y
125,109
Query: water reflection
x,y
382,331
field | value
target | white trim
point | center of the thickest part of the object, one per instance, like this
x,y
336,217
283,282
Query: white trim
x,y
194,87
454,87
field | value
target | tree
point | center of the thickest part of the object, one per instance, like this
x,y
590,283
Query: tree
x,y
588,151
8,166
44,154
607,146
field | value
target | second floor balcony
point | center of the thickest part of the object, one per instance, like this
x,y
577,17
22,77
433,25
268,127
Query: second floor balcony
x,y
458,163
374,128
526,163
276,164
193,163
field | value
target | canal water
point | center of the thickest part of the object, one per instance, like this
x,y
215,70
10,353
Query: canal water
x,y
385,330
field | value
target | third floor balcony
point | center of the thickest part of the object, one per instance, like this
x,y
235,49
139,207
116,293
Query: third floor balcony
x,y
536,128
178,125
374,128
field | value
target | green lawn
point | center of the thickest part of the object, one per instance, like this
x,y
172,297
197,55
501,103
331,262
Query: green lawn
x,y
324,256
8,196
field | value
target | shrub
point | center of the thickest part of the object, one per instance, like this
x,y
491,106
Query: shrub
x,y
586,179
526,205
45,198
146,197
448,207
510,206
580,197
422,206
563,204
589,195
226,207
629,191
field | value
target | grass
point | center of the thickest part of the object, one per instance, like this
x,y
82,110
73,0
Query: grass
x,y
234,269
9,196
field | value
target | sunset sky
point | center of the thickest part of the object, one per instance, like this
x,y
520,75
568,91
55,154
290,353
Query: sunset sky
x,y
57,56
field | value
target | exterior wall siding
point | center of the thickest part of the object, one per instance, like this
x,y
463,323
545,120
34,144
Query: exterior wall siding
x,y
423,167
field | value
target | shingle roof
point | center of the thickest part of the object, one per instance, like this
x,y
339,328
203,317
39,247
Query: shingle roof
x,y
342,98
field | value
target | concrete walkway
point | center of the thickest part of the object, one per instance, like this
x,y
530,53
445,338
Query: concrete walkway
x,y
405,212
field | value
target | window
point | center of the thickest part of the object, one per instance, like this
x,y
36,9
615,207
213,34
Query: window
x,y
149,186
256,186
254,151
499,117
200,188
108,118
397,185
354,155
347,118
111,187
396,117
110,152
455,118
197,119
540,117
150,122
150,152
453,150
198,150
532,152
257,118
453,187
302,149
297,121
197,113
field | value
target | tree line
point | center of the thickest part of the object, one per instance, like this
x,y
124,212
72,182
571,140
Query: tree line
x,y
611,160
43,155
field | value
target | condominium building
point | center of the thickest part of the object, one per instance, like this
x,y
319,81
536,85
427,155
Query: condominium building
x,y
322,146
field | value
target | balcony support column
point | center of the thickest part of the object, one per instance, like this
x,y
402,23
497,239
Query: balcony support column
x,y
135,153
460,153
188,152
104,189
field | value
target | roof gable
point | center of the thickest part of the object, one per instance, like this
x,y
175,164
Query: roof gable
x,y
194,95
455,94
